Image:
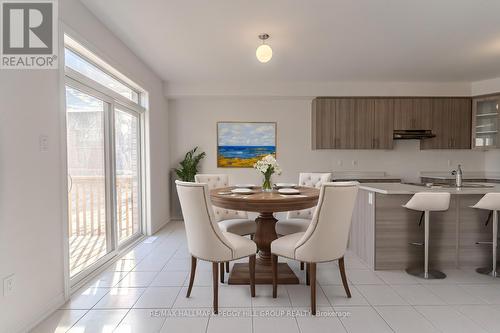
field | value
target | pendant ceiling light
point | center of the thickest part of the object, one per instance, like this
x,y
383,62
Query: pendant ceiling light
x,y
264,52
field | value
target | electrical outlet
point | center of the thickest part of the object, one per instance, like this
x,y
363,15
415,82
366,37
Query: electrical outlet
x,y
449,162
354,162
339,163
9,285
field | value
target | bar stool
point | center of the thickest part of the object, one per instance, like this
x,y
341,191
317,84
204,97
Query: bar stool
x,y
428,202
491,202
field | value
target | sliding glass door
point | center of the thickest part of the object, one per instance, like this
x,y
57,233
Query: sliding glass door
x,y
104,177
127,164
104,118
88,198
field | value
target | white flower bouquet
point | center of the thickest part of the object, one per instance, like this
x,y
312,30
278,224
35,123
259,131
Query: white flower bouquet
x,y
267,166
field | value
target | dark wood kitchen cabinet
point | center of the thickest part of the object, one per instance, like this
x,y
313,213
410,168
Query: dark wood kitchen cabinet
x,y
369,122
412,113
345,123
352,123
383,122
451,120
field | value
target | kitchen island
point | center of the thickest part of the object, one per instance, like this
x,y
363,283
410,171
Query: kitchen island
x,y
383,232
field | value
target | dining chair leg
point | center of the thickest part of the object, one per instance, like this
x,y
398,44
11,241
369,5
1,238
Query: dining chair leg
x,y
222,272
308,268
312,269
274,266
251,264
301,265
227,266
344,277
215,282
191,278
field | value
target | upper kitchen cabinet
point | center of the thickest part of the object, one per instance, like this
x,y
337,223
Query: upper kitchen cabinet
x,y
323,123
352,123
345,123
451,123
485,122
412,113
383,121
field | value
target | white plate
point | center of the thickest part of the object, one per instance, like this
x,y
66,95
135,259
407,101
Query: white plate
x,y
285,185
244,185
242,191
288,191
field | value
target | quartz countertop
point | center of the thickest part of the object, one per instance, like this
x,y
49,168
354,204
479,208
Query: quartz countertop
x,y
399,188
466,175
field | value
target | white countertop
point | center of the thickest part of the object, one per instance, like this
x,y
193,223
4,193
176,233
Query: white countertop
x,y
365,177
467,175
398,188
340,175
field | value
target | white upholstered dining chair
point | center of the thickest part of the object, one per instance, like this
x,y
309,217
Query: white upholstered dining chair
x,y
326,237
206,241
299,220
234,221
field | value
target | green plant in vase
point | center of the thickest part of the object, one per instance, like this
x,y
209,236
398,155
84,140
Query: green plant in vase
x,y
189,165
267,166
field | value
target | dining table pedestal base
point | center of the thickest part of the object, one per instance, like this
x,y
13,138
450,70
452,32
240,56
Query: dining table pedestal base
x,y
263,274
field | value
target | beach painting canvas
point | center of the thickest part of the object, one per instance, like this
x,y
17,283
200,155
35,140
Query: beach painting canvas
x,y
241,144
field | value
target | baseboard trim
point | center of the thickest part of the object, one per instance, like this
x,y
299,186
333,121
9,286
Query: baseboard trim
x,y
164,223
44,314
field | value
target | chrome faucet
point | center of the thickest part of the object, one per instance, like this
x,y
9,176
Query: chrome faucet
x,y
459,176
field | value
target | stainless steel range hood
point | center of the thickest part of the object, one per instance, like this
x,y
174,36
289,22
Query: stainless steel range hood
x,y
412,134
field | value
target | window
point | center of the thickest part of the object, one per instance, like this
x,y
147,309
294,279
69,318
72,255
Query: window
x,y
74,61
104,117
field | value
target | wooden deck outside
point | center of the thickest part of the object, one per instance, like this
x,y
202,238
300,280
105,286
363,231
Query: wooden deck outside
x,y
87,218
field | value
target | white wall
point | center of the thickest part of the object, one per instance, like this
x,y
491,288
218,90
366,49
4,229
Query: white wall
x,y
30,196
192,123
31,193
492,161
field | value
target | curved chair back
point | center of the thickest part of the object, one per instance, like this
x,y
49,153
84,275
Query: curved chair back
x,y
212,180
218,181
309,179
490,201
429,201
327,235
204,237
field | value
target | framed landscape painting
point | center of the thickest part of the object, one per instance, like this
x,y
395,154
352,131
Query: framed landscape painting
x,y
241,144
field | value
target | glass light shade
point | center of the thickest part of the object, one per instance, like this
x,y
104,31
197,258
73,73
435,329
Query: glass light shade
x,y
264,53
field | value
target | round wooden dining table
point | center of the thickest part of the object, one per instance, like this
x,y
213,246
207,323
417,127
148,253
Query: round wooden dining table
x,y
266,204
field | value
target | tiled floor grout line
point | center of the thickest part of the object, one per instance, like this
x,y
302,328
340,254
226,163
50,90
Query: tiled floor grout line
x,y
86,311
176,236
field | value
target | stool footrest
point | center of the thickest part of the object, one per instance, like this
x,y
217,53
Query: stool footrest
x,y
484,243
488,271
431,274
416,244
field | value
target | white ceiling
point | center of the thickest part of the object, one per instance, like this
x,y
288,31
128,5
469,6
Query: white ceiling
x,y
192,41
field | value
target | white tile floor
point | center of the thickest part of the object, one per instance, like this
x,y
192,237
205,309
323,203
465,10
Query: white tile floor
x,y
145,292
